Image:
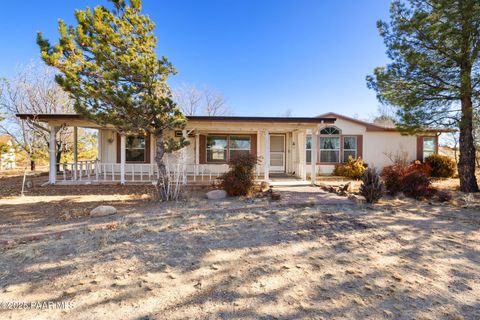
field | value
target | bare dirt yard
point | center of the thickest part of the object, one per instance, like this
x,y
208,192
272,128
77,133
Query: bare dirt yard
x,y
311,255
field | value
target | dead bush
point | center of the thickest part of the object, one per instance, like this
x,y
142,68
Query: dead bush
x,y
239,180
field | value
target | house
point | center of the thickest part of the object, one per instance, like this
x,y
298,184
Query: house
x,y
296,146
7,152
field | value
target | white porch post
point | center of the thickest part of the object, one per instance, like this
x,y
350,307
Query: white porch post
x,y
197,153
122,158
313,171
303,154
52,177
75,152
266,165
259,152
184,157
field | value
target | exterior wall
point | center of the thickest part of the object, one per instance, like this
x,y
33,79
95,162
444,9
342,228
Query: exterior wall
x,y
108,154
375,145
379,146
7,160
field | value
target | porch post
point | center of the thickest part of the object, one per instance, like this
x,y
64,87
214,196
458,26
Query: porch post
x,y
52,177
313,174
197,153
75,152
259,152
184,157
266,165
122,158
303,153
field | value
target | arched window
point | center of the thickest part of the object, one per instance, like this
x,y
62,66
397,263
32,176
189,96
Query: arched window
x,y
330,130
330,145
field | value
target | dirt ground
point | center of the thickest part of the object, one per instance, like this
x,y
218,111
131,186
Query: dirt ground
x,y
236,258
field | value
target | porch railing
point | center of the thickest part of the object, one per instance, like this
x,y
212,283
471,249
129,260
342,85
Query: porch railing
x,y
96,171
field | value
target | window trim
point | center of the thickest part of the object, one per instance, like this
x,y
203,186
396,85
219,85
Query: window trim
x,y
147,149
343,147
228,136
337,136
308,149
435,147
207,148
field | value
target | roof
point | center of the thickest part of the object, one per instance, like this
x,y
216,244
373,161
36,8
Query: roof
x,y
47,117
372,126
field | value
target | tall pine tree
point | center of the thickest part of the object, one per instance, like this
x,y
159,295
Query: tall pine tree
x,y
434,76
109,65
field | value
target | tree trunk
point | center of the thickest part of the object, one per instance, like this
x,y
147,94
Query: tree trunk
x,y
466,164
162,183
32,165
59,156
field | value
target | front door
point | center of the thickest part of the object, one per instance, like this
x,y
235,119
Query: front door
x,y
277,153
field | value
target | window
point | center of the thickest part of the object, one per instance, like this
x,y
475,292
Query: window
x,y
330,144
217,148
429,146
238,145
330,130
329,149
349,148
308,148
135,149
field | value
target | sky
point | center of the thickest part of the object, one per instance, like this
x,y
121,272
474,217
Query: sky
x,y
264,56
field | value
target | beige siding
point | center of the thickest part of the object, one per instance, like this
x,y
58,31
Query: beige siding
x,y
379,146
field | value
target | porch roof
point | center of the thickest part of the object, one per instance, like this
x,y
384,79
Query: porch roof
x,y
82,121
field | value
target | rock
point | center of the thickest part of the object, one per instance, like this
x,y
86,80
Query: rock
x,y
29,184
101,211
216,194
275,196
264,186
145,196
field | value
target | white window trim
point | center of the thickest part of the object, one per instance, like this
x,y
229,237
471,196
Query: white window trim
x,y
228,149
338,150
210,148
144,150
355,150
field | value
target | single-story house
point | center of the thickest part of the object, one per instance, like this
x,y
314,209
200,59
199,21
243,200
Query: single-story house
x,y
295,146
7,152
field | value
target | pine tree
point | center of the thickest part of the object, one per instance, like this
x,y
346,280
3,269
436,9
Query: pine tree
x,y
108,64
434,76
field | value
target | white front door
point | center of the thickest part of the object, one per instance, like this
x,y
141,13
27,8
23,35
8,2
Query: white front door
x,y
277,153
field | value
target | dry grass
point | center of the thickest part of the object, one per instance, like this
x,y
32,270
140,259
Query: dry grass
x,y
198,259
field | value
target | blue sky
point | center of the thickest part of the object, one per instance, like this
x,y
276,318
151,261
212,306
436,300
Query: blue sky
x,y
265,56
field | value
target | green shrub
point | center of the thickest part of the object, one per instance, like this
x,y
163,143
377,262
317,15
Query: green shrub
x,y
372,187
239,180
442,166
354,168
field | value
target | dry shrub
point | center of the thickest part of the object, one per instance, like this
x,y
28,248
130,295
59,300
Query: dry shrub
x,y
393,178
417,185
372,187
239,180
444,196
354,168
442,166
413,180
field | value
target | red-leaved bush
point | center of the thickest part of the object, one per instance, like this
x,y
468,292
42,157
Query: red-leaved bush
x,y
392,177
413,179
239,180
417,185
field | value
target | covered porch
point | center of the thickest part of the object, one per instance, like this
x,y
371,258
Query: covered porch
x,y
279,143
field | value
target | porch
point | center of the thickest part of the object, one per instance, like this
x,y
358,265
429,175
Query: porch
x,y
279,143
95,172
